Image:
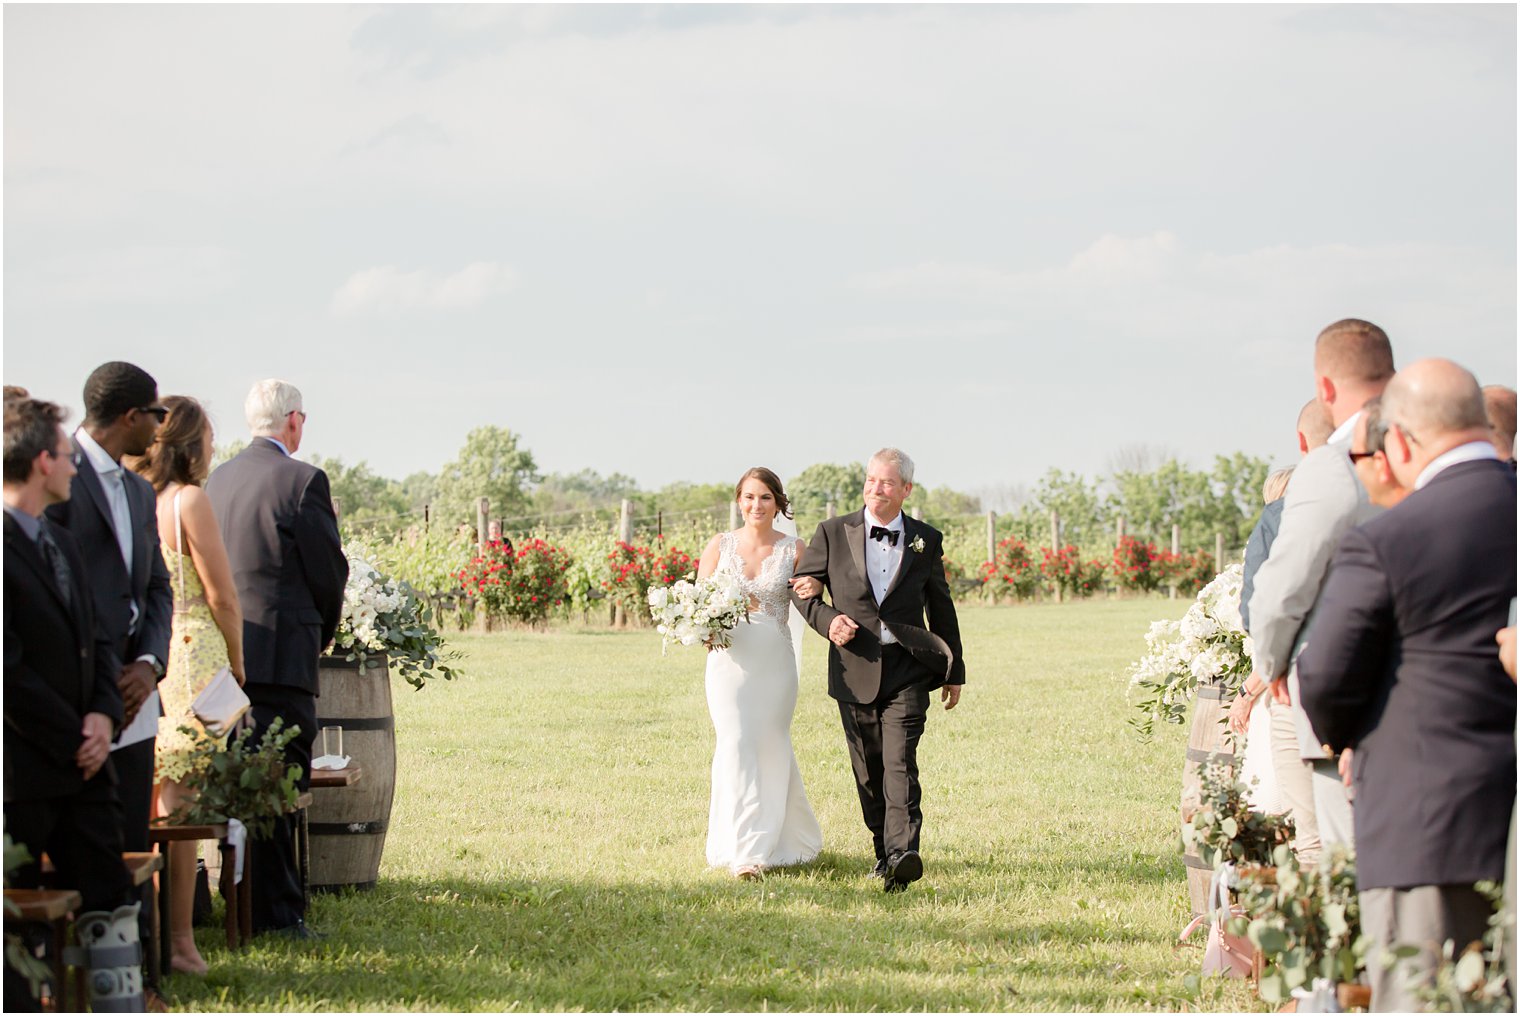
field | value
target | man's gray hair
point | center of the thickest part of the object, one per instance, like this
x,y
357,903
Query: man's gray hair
x,y
897,457
268,404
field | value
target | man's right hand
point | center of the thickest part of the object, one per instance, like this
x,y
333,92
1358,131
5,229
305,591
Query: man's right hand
x,y
841,630
96,746
136,681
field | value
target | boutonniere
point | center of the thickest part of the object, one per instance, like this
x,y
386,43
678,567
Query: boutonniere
x,y
917,545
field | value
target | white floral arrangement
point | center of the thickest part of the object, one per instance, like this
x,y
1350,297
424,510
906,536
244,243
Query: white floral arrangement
x,y
368,599
385,615
1208,646
705,611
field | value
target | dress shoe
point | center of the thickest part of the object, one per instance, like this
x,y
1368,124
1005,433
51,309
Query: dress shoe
x,y
300,931
880,871
902,868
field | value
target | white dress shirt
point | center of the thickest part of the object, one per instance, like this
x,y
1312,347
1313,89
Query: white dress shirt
x,y
1472,451
883,558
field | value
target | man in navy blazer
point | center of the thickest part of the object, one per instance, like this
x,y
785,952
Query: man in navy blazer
x,y
1401,668
277,520
62,706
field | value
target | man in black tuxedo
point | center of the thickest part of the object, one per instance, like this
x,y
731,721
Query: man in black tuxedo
x,y
1400,667
885,572
277,520
62,705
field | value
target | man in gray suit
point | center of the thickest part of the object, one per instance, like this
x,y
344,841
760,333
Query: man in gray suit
x,y
1353,361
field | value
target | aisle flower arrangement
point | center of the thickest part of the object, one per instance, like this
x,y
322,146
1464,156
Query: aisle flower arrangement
x,y
1208,646
383,617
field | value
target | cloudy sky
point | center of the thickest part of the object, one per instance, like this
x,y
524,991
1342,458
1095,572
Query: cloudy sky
x,y
674,242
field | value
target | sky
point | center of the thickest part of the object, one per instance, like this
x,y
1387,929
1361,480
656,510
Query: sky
x,y
675,242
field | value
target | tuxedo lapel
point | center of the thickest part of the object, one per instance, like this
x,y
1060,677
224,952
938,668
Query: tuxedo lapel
x,y
855,536
908,554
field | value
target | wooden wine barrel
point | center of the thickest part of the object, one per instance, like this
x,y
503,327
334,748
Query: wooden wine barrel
x,y
1208,738
348,824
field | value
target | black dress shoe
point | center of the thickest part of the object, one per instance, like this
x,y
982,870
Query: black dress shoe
x,y
300,931
902,868
880,871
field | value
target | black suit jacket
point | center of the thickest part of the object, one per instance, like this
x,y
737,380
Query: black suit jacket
x,y
57,669
87,515
836,557
1401,665
277,519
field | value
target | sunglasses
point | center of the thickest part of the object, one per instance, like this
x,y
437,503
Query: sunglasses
x,y
159,411
1359,456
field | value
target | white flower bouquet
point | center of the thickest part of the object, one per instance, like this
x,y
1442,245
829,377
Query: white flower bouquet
x,y
705,611
383,615
1208,646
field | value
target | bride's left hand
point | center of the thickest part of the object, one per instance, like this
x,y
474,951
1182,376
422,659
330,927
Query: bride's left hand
x,y
807,587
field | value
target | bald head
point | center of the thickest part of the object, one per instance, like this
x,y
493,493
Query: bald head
x,y
1431,406
1314,427
1499,405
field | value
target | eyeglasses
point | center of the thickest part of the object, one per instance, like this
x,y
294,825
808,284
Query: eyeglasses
x,y
302,413
161,412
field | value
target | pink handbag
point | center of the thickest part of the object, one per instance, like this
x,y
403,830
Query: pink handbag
x,y
1225,954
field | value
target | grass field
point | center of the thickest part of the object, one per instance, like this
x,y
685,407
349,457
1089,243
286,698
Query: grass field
x,y
546,849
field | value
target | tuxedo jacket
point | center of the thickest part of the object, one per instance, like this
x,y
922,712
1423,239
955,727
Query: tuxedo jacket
x,y
87,515
837,558
1324,499
277,520
57,668
1402,666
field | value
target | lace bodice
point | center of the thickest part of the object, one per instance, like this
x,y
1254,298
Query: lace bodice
x,y
770,589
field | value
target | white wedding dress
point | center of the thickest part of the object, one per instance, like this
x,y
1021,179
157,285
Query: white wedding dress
x,y
759,813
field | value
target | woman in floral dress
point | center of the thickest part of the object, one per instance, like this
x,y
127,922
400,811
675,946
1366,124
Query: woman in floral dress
x,y
207,632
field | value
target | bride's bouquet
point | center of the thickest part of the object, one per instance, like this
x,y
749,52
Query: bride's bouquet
x,y
704,611
1208,646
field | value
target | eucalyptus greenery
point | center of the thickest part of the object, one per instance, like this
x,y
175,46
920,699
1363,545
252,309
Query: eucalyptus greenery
x,y
1472,980
1224,829
17,956
1307,924
252,784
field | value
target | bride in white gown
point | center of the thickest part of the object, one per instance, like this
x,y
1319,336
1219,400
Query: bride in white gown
x,y
759,817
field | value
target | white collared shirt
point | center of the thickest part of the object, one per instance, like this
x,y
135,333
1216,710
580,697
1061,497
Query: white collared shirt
x,y
882,561
1343,432
278,444
1472,451
109,471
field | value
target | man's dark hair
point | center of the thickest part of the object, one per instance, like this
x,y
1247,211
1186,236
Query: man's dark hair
x,y
116,388
31,428
1377,427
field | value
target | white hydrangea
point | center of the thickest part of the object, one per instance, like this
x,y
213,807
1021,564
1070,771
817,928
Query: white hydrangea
x,y
705,611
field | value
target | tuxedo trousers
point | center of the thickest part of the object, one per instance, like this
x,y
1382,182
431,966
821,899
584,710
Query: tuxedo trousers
x,y
882,737
279,898
134,787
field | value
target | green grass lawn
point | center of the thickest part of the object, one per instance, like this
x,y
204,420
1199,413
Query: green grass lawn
x,y
546,849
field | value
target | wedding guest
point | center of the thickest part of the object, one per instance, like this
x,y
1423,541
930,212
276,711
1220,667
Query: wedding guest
x,y
207,632
1499,407
277,521
1314,429
110,513
1401,667
1371,461
1353,361
62,703
495,535
1294,786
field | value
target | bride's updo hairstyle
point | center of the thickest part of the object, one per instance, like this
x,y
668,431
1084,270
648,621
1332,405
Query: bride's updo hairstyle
x,y
177,454
771,480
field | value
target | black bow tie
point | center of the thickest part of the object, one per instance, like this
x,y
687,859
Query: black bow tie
x,y
883,533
